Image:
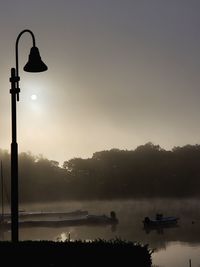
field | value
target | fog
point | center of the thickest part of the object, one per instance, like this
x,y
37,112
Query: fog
x,y
147,171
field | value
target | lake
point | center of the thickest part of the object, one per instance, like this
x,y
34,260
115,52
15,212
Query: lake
x,y
174,246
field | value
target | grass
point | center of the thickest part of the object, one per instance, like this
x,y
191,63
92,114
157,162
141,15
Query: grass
x,y
93,253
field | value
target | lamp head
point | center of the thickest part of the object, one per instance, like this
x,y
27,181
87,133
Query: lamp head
x,y
35,64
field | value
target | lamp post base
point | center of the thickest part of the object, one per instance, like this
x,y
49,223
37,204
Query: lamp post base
x,y
14,193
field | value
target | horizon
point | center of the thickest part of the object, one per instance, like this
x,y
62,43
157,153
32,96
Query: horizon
x,y
41,155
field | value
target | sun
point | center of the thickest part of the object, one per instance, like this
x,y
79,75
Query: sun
x,y
34,97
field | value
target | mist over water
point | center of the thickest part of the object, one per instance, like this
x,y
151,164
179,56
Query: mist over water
x,y
184,238
130,214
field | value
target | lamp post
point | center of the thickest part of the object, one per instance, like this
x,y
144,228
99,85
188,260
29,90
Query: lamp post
x,y
34,64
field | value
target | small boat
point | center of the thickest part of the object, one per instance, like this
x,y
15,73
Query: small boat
x,y
160,221
71,221
42,214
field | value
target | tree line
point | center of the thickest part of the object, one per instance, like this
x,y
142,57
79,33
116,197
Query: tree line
x,y
148,171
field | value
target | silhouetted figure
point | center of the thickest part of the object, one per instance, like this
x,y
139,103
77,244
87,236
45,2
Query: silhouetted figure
x,y
113,215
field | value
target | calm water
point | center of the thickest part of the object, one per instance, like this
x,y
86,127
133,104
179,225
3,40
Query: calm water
x,y
173,246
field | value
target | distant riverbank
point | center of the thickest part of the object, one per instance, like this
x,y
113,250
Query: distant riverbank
x,y
146,172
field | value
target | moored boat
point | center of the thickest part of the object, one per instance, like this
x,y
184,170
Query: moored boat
x,y
71,221
160,221
42,214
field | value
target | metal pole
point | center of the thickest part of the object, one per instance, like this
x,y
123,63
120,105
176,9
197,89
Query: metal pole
x,y
14,91
14,160
2,196
14,79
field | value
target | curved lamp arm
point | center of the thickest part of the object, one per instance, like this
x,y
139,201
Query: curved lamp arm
x,y
31,66
16,49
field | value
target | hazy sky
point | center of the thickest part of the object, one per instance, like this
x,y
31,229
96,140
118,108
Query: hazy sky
x,y
121,73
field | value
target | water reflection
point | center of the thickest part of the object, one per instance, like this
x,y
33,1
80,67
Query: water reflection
x,y
159,229
130,214
64,236
177,255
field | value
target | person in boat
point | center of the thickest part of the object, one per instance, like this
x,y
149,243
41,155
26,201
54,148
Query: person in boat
x,y
146,220
159,216
113,215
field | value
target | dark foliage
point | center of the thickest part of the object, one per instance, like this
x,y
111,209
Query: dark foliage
x,y
147,171
49,253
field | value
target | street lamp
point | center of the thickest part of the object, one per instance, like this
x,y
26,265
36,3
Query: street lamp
x,y
34,64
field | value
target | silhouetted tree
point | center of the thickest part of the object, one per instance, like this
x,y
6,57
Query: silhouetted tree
x,y
147,171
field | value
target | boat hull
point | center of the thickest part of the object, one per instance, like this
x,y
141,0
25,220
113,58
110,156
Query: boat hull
x,y
165,221
87,220
152,223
